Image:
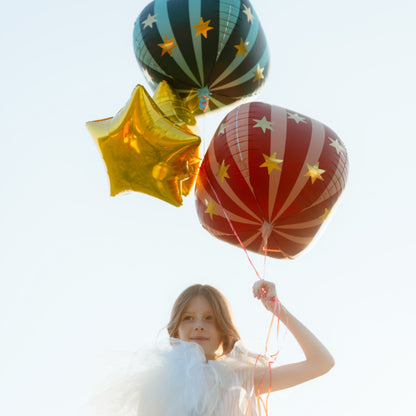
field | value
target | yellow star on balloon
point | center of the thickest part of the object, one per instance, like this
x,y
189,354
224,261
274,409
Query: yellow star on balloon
x,y
270,162
202,28
144,151
314,172
222,171
210,208
167,46
258,74
325,215
241,48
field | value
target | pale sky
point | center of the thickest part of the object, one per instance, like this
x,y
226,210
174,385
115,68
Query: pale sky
x,y
84,275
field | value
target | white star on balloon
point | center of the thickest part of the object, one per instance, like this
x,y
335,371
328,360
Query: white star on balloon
x,y
149,21
247,11
264,124
337,145
296,117
222,128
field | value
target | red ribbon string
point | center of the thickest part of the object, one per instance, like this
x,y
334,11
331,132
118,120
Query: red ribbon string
x,y
232,227
203,105
276,308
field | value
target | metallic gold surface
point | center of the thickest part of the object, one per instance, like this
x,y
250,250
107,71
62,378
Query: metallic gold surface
x,y
146,152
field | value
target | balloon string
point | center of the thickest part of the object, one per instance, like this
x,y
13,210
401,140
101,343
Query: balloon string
x,y
232,227
273,357
276,307
276,313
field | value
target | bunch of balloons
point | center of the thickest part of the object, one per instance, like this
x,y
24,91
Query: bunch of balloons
x,y
270,176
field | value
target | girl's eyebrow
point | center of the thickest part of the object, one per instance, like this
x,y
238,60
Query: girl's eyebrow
x,y
203,313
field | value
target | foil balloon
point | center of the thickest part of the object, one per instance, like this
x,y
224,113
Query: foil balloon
x,y
144,151
213,53
174,108
270,179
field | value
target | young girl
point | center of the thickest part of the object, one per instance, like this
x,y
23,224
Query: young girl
x,y
206,371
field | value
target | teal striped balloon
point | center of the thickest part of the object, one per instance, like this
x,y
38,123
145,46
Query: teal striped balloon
x,y
212,52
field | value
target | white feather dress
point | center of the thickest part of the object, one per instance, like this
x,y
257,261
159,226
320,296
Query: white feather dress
x,y
178,381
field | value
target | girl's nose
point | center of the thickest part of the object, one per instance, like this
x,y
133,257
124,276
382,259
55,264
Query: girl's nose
x,y
199,326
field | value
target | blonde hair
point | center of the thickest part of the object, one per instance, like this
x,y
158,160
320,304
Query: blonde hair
x,y
220,308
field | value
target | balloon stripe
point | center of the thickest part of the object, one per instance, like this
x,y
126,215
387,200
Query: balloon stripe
x,y
210,12
221,100
315,142
212,188
337,183
277,146
275,247
236,139
237,132
238,183
300,225
229,14
254,240
179,18
214,163
194,18
248,76
207,194
140,45
291,248
216,102
296,148
259,145
328,161
165,29
299,240
315,212
231,56
152,39
256,45
238,239
249,41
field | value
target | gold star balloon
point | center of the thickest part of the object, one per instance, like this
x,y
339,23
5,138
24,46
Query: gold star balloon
x,y
144,151
176,110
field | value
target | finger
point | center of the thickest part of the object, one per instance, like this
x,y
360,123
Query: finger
x,y
257,289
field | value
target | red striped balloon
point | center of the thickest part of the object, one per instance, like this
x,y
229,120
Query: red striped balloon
x,y
271,177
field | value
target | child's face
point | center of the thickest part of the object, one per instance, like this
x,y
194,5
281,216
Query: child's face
x,y
198,324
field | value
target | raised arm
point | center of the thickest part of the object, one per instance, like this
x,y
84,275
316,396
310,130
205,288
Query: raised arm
x,y
318,359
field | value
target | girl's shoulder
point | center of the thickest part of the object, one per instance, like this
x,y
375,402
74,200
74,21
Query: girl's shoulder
x,y
243,358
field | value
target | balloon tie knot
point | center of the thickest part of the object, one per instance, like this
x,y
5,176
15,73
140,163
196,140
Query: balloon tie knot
x,y
266,230
203,95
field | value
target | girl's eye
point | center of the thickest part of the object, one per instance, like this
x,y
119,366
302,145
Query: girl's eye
x,y
209,318
187,318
